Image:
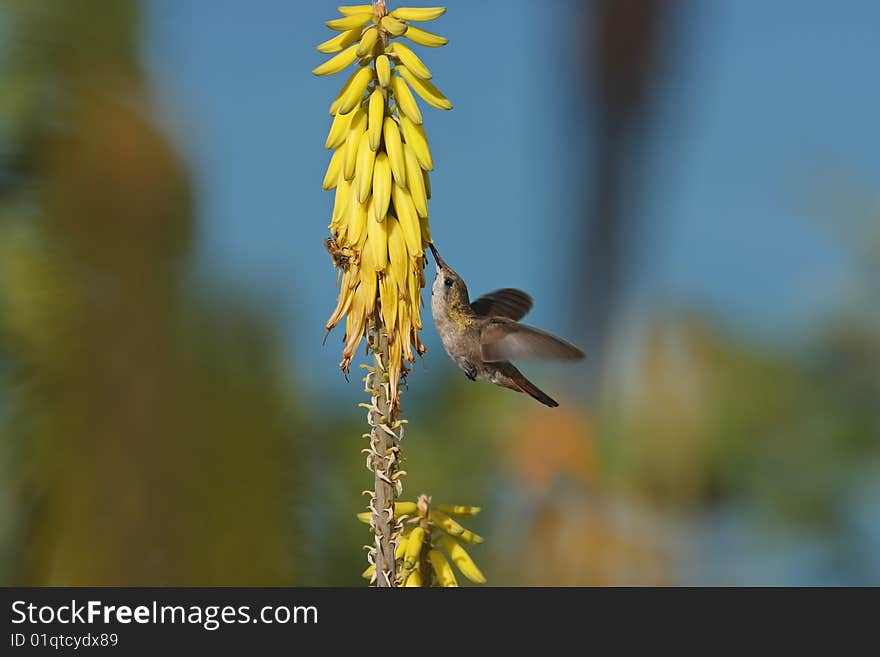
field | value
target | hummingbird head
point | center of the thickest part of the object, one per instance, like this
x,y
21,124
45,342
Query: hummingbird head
x,y
448,285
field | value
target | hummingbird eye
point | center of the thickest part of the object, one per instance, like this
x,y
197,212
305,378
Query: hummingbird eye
x,y
448,282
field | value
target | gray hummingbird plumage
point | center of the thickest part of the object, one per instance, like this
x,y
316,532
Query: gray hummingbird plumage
x,y
484,336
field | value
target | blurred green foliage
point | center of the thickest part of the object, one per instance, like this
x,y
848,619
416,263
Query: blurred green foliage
x,y
148,430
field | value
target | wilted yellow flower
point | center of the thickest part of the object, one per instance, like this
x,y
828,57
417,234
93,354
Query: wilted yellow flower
x,y
379,171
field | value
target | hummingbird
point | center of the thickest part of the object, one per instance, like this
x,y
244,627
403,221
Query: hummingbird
x,y
483,336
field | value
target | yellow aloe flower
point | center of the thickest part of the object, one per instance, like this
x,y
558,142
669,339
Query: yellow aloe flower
x,y
379,170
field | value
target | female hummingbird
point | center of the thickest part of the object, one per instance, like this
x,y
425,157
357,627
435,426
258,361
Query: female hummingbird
x,y
483,336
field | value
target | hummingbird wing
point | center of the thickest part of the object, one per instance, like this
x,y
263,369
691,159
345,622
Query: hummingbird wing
x,y
508,302
502,340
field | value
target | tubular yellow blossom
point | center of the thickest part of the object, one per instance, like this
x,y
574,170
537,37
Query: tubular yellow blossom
x,y
393,26
406,100
381,186
383,70
442,569
425,38
380,212
368,40
376,117
337,63
356,128
418,13
414,135
462,559
340,41
409,219
363,171
411,60
402,543
413,547
425,89
351,21
394,148
333,169
357,220
338,130
416,182
350,10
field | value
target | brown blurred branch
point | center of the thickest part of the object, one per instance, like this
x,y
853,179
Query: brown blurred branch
x,y
625,39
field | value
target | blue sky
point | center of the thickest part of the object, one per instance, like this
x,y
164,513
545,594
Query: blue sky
x,y
762,100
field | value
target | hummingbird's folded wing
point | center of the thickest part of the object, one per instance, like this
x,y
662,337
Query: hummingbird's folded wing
x,y
503,303
503,340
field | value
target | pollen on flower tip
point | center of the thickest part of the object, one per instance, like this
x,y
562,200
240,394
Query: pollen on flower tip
x,y
379,221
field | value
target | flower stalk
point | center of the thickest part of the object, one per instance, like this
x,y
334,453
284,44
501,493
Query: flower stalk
x,y
383,458
379,227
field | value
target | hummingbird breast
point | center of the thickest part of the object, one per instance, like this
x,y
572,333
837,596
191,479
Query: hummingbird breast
x,y
459,332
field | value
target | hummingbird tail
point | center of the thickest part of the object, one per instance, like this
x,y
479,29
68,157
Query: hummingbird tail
x,y
532,390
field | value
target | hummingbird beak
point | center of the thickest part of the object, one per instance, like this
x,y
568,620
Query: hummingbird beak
x,y
437,258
